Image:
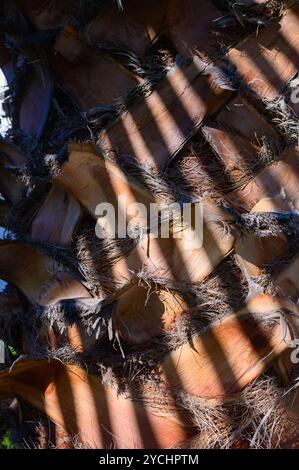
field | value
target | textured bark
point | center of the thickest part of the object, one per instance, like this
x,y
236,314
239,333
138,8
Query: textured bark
x,y
47,386
149,132
134,339
38,276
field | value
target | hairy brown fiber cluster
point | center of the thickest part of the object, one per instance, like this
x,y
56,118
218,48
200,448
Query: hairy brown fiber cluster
x,y
142,341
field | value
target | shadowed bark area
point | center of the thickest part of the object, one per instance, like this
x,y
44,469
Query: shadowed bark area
x,y
127,323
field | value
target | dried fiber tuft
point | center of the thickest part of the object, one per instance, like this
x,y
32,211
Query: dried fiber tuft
x,y
86,313
254,416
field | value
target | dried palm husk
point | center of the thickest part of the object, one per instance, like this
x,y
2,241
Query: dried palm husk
x,y
156,256
244,142
4,209
278,179
57,218
45,15
195,39
71,397
53,219
11,312
10,187
286,282
36,102
269,342
288,436
234,352
148,132
256,250
29,95
76,63
220,362
93,180
142,313
42,279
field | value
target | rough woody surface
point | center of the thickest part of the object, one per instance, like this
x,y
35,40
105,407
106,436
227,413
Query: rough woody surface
x,y
125,339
